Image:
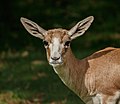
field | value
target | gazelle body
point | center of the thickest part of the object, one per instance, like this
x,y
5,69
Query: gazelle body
x,y
95,79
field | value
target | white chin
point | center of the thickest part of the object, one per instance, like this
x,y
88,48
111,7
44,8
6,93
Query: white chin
x,y
55,64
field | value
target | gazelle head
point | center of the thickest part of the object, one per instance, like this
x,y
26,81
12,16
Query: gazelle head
x,y
57,41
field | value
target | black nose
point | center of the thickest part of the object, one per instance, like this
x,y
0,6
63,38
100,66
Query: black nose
x,y
55,58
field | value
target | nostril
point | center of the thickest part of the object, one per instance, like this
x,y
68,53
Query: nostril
x,y
55,58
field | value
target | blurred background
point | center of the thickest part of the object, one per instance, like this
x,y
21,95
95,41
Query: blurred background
x,y
25,76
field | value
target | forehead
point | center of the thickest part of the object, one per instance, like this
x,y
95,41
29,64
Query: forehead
x,y
61,34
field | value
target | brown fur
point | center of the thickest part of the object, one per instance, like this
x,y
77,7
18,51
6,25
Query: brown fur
x,y
104,69
98,73
59,33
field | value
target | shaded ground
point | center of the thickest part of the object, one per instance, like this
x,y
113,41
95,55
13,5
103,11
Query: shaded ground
x,y
25,79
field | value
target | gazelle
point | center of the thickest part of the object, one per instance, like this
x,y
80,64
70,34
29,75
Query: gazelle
x,y
95,79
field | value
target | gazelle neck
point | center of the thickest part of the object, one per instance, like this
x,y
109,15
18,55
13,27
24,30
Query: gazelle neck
x,y
72,73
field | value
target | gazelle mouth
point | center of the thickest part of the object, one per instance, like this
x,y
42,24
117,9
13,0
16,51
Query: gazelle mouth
x,y
55,63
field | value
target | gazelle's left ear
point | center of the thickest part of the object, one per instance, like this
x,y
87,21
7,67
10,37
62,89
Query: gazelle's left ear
x,y
33,28
80,27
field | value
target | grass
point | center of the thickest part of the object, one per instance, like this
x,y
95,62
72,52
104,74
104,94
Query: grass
x,y
25,79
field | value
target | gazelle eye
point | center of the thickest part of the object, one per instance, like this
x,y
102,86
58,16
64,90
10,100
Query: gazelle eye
x,y
67,43
45,43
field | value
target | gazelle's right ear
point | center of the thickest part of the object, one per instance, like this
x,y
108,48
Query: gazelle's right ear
x,y
33,28
80,28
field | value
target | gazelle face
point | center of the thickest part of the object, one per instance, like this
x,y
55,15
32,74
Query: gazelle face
x,y
56,42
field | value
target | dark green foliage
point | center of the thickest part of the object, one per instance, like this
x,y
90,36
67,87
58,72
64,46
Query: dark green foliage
x,y
53,14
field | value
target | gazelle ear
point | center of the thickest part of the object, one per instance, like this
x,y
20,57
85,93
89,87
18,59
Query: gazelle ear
x,y
33,28
80,27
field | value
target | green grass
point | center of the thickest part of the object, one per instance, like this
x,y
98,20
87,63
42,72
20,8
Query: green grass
x,y
26,78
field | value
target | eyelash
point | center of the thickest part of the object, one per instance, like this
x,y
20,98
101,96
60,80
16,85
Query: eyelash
x,y
67,43
45,43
